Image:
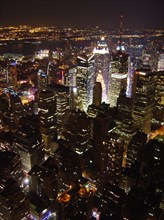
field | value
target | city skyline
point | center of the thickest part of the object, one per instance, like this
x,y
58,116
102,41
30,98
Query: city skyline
x,y
106,14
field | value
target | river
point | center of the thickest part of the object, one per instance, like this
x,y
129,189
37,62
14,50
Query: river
x,y
30,48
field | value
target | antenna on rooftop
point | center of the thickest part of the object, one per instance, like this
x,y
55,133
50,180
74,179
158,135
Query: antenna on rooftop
x,y
121,30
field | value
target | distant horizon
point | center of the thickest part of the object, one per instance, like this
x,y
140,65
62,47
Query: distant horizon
x,y
83,27
141,14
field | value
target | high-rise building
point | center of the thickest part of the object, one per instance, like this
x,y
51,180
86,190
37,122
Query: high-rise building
x,y
43,182
42,80
16,109
72,87
158,111
135,146
62,97
13,203
117,83
97,94
69,168
85,78
102,57
124,105
10,167
101,125
28,143
6,141
118,72
161,62
76,130
112,157
144,99
47,116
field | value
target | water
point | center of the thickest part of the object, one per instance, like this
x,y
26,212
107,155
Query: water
x,y
30,48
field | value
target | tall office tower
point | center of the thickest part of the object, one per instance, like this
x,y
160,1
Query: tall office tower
x,y
76,131
120,46
124,105
102,58
94,110
126,129
43,182
69,169
4,105
71,82
130,77
47,116
112,201
6,141
61,93
10,167
28,143
97,94
161,62
42,80
101,125
144,99
112,157
16,109
150,59
13,203
158,111
135,146
117,83
152,159
85,79
118,72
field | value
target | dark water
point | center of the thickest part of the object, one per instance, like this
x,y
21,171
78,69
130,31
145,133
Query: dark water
x,y
30,48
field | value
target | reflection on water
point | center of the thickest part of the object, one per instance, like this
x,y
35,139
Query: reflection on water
x,y
30,48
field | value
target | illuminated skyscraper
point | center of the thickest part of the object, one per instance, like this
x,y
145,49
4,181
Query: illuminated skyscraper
x,y
76,131
117,83
85,79
102,58
13,203
134,148
10,167
118,70
102,124
144,99
158,111
62,97
29,144
124,105
42,80
47,115
161,62
112,156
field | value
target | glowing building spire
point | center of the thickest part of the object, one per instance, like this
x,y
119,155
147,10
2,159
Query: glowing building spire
x,y
120,46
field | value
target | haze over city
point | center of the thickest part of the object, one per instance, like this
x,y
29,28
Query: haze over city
x,y
104,13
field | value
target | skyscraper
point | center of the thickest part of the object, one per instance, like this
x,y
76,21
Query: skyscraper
x,y
97,94
29,144
102,57
85,79
13,203
62,97
118,70
47,115
112,156
158,111
144,99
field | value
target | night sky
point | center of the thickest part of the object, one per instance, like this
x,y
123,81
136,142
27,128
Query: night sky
x,y
104,13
